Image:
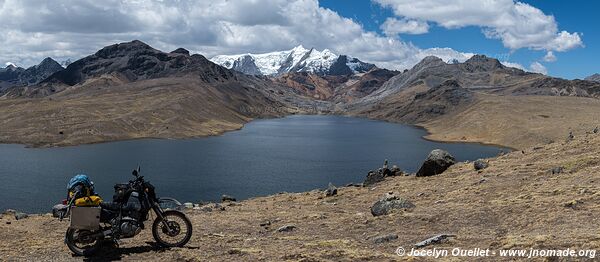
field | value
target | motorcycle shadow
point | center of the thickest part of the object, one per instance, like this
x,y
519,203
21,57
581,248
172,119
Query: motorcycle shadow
x,y
111,252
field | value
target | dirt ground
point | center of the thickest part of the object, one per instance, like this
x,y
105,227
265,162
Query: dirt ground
x,y
515,203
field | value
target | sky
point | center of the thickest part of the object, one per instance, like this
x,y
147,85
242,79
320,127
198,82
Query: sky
x,y
553,37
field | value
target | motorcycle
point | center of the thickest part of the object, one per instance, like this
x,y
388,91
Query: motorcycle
x,y
125,217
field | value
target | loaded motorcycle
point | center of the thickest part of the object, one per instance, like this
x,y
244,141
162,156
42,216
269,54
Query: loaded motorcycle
x,y
123,218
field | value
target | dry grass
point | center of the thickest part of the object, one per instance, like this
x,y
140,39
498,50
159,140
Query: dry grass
x,y
517,121
160,108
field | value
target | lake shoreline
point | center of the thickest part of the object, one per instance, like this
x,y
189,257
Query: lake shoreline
x,y
221,132
292,154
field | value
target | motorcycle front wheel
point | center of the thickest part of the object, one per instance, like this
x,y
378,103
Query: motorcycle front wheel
x,y
173,230
81,242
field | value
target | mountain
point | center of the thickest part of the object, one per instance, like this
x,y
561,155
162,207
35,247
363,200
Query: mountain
x,y
475,100
594,78
17,76
298,59
133,61
131,90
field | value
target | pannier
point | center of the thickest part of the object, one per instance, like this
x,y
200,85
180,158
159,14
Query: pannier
x,y
87,218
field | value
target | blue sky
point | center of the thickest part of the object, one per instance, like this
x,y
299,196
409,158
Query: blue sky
x,y
573,16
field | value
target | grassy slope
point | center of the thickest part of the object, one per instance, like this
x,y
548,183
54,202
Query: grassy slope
x,y
517,121
160,108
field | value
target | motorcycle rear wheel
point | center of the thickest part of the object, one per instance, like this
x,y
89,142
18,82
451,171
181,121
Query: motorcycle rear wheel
x,y
76,237
178,233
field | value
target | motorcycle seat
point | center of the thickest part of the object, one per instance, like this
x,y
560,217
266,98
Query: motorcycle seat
x,y
116,206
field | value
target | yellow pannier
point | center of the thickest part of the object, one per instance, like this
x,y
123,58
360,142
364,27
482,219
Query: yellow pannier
x,y
88,201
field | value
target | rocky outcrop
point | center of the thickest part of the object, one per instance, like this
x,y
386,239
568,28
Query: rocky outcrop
x,y
390,203
436,163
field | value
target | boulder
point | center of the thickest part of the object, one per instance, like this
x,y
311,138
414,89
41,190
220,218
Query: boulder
x,y
596,130
59,210
374,177
480,164
286,228
331,190
385,238
20,215
396,171
188,205
436,163
434,240
227,198
388,203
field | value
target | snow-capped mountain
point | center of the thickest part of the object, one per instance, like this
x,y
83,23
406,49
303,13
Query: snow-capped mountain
x,y
298,59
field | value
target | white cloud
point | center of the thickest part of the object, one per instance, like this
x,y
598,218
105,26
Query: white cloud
x,y
34,29
549,57
516,24
536,67
392,27
515,65
61,29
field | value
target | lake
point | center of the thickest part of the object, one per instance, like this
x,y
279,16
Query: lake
x,y
292,154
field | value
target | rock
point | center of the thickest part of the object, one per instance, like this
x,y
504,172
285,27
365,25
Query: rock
x,y
596,130
286,228
188,205
480,164
436,163
396,171
433,240
571,136
388,203
219,207
557,170
20,215
265,223
58,210
206,209
331,190
227,198
373,178
573,203
8,222
385,238
9,212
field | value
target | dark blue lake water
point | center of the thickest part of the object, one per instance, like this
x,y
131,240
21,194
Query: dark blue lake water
x,y
293,154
